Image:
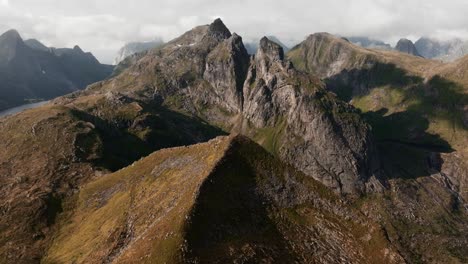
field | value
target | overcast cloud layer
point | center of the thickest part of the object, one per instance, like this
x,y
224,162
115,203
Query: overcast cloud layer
x,y
103,26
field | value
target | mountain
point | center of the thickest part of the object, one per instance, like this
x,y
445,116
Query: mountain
x,y
30,71
369,43
417,111
407,46
252,47
214,202
310,178
196,87
135,47
449,50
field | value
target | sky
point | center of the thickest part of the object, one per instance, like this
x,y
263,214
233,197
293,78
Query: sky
x,y
104,26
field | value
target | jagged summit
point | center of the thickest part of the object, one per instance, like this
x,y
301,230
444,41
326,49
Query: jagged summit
x,y
407,46
218,29
272,49
77,49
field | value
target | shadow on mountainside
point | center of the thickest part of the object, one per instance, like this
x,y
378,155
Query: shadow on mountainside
x,y
407,150
122,141
402,132
358,82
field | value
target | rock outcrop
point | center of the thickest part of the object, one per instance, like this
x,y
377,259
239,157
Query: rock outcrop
x,y
407,46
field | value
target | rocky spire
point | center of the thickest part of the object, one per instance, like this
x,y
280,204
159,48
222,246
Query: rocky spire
x,y
271,49
218,30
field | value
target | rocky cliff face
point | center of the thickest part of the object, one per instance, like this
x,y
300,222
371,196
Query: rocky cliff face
x,y
407,46
207,72
411,104
252,46
278,96
204,84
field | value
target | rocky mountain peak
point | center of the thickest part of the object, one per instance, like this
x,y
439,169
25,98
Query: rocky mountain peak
x,y
407,46
271,49
11,34
218,30
10,42
77,49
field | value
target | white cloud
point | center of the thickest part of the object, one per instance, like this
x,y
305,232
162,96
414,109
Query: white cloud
x,y
103,26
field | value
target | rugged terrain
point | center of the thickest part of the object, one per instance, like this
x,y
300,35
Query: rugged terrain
x,y
417,109
29,71
225,201
445,50
383,182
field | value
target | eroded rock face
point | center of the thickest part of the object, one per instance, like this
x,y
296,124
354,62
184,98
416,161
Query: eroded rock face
x,y
208,74
225,71
318,134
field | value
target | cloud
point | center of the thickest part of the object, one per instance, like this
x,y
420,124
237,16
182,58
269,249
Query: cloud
x,y
105,25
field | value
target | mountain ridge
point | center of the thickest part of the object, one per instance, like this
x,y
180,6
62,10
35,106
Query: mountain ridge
x,y
406,192
40,73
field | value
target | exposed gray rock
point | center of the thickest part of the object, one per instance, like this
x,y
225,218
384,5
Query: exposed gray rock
x,y
407,46
445,50
334,148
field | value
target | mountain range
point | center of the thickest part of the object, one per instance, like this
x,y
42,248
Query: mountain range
x,y
449,50
29,71
430,48
198,152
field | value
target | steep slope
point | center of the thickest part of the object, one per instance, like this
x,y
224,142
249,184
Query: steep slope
x,y
204,84
32,73
207,73
47,153
417,109
224,201
407,46
178,94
